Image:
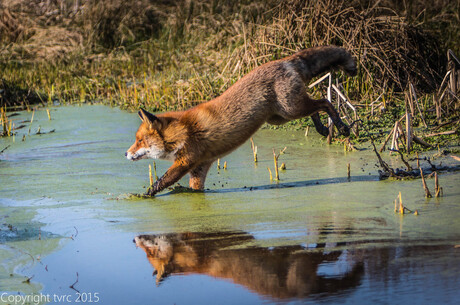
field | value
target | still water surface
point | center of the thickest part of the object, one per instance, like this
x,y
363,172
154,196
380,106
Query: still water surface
x,y
314,237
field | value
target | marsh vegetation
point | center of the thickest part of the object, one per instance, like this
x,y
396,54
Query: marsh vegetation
x,y
171,55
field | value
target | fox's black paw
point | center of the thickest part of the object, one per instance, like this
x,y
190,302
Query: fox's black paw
x,y
344,130
150,192
322,130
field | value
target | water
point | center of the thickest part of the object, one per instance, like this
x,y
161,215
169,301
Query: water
x,y
316,236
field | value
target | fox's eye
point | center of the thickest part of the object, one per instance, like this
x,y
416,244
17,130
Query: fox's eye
x,y
139,141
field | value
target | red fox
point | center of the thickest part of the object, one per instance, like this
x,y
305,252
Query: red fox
x,y
278,272
274,93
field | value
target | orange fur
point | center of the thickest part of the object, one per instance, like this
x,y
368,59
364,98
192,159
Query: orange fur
x,y
280,272
274,92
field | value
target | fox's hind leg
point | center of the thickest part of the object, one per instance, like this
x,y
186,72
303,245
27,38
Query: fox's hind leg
x,y
306,106
325,105
198,175
320,128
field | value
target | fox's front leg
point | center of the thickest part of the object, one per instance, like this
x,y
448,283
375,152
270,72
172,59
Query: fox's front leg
x,y
172,175
198,175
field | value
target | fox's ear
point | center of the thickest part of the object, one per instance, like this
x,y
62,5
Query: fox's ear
x,y
151,119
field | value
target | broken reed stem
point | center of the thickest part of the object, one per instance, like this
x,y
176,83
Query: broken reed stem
x,y
275,159
218,164
401,207
306,131
225,165
4,120
409,126
348,170
418,161
150,175
390,135
427,191
271,176
155,170
32,119
49,115
394,140
254,150
386,140
437,188
436,183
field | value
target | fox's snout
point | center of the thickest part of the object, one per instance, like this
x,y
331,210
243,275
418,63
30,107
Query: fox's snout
x,y
133,156
140,154
129,156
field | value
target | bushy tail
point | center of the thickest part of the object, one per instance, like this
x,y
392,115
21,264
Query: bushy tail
x,y
317,60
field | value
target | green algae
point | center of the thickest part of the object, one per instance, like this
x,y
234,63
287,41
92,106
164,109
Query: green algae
x,y
72,191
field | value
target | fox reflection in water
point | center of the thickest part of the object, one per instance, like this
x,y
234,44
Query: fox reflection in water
x,y
280,272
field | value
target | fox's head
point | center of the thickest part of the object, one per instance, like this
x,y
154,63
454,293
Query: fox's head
x,y
167,254
150,140
159,253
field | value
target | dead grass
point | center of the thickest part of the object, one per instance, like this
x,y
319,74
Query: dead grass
x,y
172,54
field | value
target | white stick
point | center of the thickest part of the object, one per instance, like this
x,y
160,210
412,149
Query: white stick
x,y
319,80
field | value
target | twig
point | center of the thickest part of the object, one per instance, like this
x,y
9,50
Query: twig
x,y
420,141
401,207
73,285
275,160
454,121
386,140
391,133
155,171
437,188
254,150
427,191
394,140
150,175
440,133
1,152
382,163
416,102
409,168
433,167
27,281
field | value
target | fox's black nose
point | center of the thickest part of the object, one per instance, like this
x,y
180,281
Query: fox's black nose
x,y
126,154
